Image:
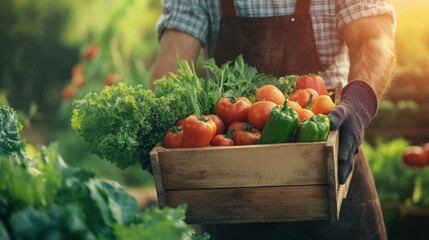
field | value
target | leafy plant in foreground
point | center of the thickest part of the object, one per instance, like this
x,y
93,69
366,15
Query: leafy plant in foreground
x,y
50,200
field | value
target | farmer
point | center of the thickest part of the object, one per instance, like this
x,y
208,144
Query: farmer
x,y
349,41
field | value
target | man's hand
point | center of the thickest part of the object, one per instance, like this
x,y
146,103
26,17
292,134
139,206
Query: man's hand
x,y
357,107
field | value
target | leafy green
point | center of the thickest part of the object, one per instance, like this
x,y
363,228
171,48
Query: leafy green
x,y
51,200
394,180
3,232
236,78
122,123
57,222
120,120
10,140
187,88
114,121
167,223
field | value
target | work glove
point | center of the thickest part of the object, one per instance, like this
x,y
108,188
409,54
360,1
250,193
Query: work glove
x,y
145,160
357,108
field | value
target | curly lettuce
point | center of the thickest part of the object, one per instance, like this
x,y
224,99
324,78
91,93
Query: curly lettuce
x,y
11,144
121,120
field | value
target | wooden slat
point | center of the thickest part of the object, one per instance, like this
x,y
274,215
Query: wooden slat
x,y
264,204
157,176
342,193
332,173
244,166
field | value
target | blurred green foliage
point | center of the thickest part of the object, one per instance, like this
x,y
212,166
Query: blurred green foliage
x,y
41,42
33,60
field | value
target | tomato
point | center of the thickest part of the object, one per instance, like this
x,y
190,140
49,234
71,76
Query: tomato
x,y
90,52
220,127
302,96
173,138
69,92
111,79
236,126
312,81
221,140
259,113
414,156
77,70
270,93
180,122
294,105
198,131
322,104
233,109
247,136
426,152
224,139
304,114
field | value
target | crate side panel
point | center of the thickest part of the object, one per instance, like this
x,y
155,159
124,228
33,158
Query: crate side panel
x,y
265,204
252,166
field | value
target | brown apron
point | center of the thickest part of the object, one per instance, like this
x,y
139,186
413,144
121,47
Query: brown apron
x,y
279,46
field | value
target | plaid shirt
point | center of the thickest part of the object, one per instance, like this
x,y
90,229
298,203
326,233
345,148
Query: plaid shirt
x,y
200,18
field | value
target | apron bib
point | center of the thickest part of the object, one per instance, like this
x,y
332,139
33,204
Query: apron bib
x,y
284,45
276,45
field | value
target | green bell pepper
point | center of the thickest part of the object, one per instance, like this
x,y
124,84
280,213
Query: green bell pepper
x,y
314,129
280,126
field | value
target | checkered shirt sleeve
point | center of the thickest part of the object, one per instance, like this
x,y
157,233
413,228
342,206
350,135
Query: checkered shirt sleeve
x,y
185,15
350,11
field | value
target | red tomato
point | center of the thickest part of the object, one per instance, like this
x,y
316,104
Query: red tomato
x,y
259,113
270,93
180,122
78,80
302,96
111,79
77,70
90,52
414,156
219,123
173,138
69,92
222,140
247,136
236,126
198,131
312,81
426,152
233,109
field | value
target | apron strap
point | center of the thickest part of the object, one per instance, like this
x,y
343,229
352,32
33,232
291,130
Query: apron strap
x,y
228,8
302,7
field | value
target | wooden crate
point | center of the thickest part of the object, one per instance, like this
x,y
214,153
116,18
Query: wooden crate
x,y
253,183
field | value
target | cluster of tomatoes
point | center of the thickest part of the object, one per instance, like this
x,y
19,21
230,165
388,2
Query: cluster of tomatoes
x,y
78,74
416,156
238,121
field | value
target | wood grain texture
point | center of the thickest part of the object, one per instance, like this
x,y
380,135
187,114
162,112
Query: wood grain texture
x,y
263,204
157,175
244,166
332,173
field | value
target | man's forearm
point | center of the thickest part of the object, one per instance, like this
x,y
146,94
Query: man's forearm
x,y
173,44
374,62
371,50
